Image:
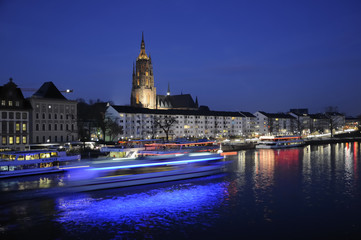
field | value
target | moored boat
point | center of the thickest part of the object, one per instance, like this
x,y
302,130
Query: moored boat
x,y
280,142
156,149
146,170
23,163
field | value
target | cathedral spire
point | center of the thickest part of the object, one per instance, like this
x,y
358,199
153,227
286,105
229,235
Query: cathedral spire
x,y
142,54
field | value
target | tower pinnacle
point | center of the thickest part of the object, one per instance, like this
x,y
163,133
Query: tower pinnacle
x,y
142,54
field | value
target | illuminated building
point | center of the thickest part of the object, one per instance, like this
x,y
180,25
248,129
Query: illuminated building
x,y
202,123
144,94
14,117
54,118
275,123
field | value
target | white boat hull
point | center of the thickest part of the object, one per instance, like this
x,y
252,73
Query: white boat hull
x,y
140,179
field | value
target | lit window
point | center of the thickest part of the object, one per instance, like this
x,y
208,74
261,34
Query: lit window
x,y
17,127
4,140
24,127
146,73
10,103
17,140
11,140
2,102
24,139
17,103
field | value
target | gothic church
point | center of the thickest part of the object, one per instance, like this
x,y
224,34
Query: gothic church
x,y
143,93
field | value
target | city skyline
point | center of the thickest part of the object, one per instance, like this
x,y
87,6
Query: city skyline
x,y
237,56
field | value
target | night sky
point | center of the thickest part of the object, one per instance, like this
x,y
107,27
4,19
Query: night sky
x,y
233,55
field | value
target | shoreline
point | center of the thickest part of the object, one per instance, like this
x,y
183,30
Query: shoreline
x,y
312,142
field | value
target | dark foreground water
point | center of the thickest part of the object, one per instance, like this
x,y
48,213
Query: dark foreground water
x,y
302,193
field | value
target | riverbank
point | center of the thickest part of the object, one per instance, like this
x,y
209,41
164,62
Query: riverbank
x,y
229,147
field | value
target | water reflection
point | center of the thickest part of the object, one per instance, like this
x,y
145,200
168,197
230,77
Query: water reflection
x,y
31,182
183,204
264,194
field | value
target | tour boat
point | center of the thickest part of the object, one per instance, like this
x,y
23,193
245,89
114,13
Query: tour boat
x,y
144,170
22,163
280,142
156,149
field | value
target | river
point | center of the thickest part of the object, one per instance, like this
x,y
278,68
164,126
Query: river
x,y
311,192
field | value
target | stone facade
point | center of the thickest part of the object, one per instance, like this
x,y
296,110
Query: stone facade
x,y
14,118
138,123
143,90
54,118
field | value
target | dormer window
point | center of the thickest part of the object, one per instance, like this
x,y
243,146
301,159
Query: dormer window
x,y
10,103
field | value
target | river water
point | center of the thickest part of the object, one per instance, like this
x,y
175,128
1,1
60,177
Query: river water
x,y
301,193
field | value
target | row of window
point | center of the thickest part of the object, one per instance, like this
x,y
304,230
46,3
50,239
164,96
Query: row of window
x,y
10,103
68,116
11,140
67,128
43,106
10,127
191,117
14,115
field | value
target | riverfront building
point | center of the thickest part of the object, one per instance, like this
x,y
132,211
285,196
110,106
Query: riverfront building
x,y
148,113
201,123
53,118
275,123
14,117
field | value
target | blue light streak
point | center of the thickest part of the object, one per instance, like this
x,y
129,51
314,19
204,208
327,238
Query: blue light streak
x,y
182,203
176,162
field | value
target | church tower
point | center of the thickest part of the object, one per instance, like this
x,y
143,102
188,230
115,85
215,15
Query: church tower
x,y
143,90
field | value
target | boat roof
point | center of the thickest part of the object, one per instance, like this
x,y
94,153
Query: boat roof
x,y
278,137
28,152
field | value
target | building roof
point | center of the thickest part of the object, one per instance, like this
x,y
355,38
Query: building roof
x,y
11,92
276,115
48,90
183,101
135,110
248,114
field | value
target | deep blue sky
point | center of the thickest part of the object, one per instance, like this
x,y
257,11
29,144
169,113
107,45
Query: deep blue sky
x,y
233,55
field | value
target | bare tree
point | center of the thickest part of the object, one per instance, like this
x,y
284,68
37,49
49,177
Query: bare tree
x,y
165,123
112,128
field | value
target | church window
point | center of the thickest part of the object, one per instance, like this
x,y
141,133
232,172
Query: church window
x,y
137,98
138,74
138,82
147,82
146,73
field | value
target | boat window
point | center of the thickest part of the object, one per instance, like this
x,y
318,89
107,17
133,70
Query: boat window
x,y
28,157
21,158
44,155
5,157
54,154
12,157
4,168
